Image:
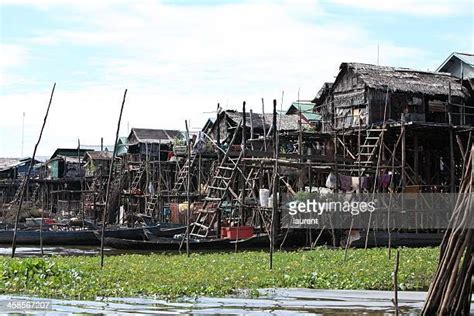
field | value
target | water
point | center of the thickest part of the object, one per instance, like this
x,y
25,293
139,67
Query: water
x,y
29,251
274,301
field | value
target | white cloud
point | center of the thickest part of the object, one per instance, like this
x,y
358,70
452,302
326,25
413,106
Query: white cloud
x,y
11,56
414,7
179,61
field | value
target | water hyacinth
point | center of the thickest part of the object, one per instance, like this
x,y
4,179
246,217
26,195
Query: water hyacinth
x,y
213,274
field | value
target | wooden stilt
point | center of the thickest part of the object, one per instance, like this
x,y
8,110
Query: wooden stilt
x,y
28,175
109,180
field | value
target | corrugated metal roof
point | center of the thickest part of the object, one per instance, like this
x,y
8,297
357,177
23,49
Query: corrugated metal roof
x,y
70,152
306,109
463,57
467,58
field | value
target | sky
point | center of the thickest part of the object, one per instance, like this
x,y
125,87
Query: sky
x,y
179,59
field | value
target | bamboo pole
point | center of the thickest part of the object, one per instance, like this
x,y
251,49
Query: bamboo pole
x,y
395,282
107,192
188,188
243,182
275,179
30,168
218,133
451,289
264,127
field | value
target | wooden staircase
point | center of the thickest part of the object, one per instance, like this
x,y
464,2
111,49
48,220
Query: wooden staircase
x,y
19,191
181,179
151,204
136,179
368,152
219,191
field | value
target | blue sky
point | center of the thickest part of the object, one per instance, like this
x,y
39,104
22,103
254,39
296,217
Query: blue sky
x,y
179,58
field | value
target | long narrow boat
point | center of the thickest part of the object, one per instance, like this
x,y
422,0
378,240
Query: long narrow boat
x,y
381,239
169,231
84,237
170,244
166,244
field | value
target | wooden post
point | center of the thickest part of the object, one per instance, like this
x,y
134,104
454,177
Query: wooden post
x,y
243,182
264,127
218,134
416,157
30,168
404,155
251,128
452,165
300,144
107,192
188,188
41,223
199,173
275,186
395,282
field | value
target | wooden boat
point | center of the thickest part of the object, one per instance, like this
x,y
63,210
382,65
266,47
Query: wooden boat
x,y
381,239
172,244
169,231
166,244
84,237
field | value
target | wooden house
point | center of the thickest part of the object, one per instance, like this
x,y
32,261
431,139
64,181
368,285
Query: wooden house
x,y
363,94
147,144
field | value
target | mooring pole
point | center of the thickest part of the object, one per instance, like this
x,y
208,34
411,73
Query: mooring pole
x,y
274,189
30,168
107,192
243,181
188,188
218,133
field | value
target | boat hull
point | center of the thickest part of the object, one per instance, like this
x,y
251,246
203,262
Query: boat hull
x,y
72,237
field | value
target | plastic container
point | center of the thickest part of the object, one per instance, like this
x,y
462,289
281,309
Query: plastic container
x,y
263,197
231,232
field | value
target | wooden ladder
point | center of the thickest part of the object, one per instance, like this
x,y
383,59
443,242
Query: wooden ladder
x,y
19,191
137,178
368,151
151,204
218,191
183,174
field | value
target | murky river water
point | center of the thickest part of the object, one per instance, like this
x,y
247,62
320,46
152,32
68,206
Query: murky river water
x,y
277,301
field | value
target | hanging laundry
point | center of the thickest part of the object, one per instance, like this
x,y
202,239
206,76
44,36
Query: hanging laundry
x,y
356,184
345,183
365,182
331,181
384,180
199,144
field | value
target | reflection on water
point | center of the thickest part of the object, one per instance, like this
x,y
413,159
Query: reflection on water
x,y
275,301
28,251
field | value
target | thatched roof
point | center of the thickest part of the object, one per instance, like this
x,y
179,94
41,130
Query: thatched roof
x,y
98,155
285,122
147,135
404,79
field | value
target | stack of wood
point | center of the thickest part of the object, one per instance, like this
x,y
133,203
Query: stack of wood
x,y
451,290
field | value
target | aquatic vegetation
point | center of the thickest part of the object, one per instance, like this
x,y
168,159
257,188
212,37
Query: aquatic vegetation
x,y
214,274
